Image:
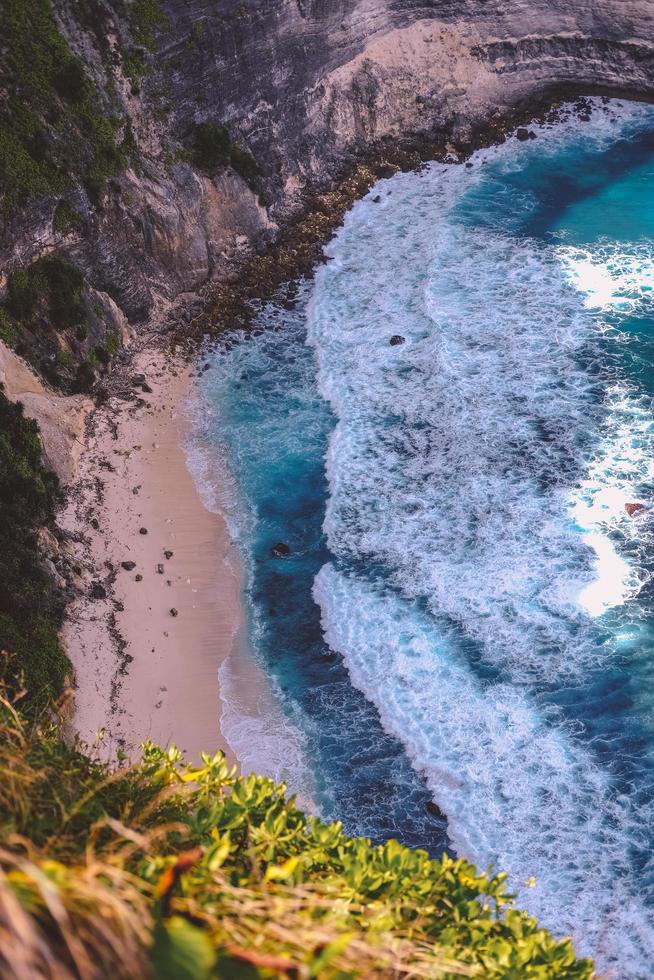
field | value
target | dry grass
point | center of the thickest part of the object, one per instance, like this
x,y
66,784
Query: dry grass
x,y
180,873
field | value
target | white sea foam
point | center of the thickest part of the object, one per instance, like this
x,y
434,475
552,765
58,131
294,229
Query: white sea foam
x,y
519,793
477,474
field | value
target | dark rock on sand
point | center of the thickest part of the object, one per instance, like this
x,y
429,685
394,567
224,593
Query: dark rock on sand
x,y
128,565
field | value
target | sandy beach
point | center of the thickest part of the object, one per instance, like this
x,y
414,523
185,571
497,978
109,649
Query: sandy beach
x,y
147,641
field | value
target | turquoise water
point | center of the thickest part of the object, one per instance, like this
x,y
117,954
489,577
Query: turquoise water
x,y
466,613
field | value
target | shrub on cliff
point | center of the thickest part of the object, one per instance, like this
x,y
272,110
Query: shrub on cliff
x,y
52,125
213,148
175,871
29,611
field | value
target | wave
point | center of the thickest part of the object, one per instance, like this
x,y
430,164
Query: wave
x,y
487,576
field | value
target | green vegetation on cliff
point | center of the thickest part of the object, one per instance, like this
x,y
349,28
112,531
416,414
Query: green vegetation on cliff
x,y
30,613
213,147
46,316
53,127
184,873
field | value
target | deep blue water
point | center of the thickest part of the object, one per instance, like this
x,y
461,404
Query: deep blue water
x,y
466,613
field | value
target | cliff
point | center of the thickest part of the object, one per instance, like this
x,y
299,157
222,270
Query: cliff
x,y
304,87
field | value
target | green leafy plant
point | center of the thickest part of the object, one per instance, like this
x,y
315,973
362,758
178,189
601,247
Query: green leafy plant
x,y
213,148
53,127
30,613
65,219
51,287
171,870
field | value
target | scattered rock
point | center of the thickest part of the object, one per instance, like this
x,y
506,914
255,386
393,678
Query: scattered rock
x,y
95,524
281,550
97,590
634,509
522,134
160,569
173,612
387,170
396,340
138,578
138,379
146,388
143,530
376,199
128,565
169,554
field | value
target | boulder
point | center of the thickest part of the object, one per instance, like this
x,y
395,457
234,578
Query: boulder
x,y
396,340
281,550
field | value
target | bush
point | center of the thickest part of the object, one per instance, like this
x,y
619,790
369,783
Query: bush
x,y
51,286
52,127
167,870
65,219
212,146
30,613
245,165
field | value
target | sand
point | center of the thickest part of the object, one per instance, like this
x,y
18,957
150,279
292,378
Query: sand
x,y
147,643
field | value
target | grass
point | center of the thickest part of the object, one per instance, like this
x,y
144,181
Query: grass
x,y
176,871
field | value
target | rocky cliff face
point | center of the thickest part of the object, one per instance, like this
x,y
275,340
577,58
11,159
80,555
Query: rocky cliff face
x,y
306,86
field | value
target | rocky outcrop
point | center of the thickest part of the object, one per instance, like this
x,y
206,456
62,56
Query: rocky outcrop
x,y
61,418
307,86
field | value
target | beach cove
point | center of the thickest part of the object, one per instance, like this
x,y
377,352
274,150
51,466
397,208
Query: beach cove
x,y
398,688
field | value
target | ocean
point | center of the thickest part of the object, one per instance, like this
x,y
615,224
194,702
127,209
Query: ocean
x,y
459,630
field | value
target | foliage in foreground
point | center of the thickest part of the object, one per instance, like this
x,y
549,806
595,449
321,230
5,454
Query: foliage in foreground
x,y
168,871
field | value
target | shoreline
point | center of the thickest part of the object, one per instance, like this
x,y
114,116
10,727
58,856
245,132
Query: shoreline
x,y
116,623
147,642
